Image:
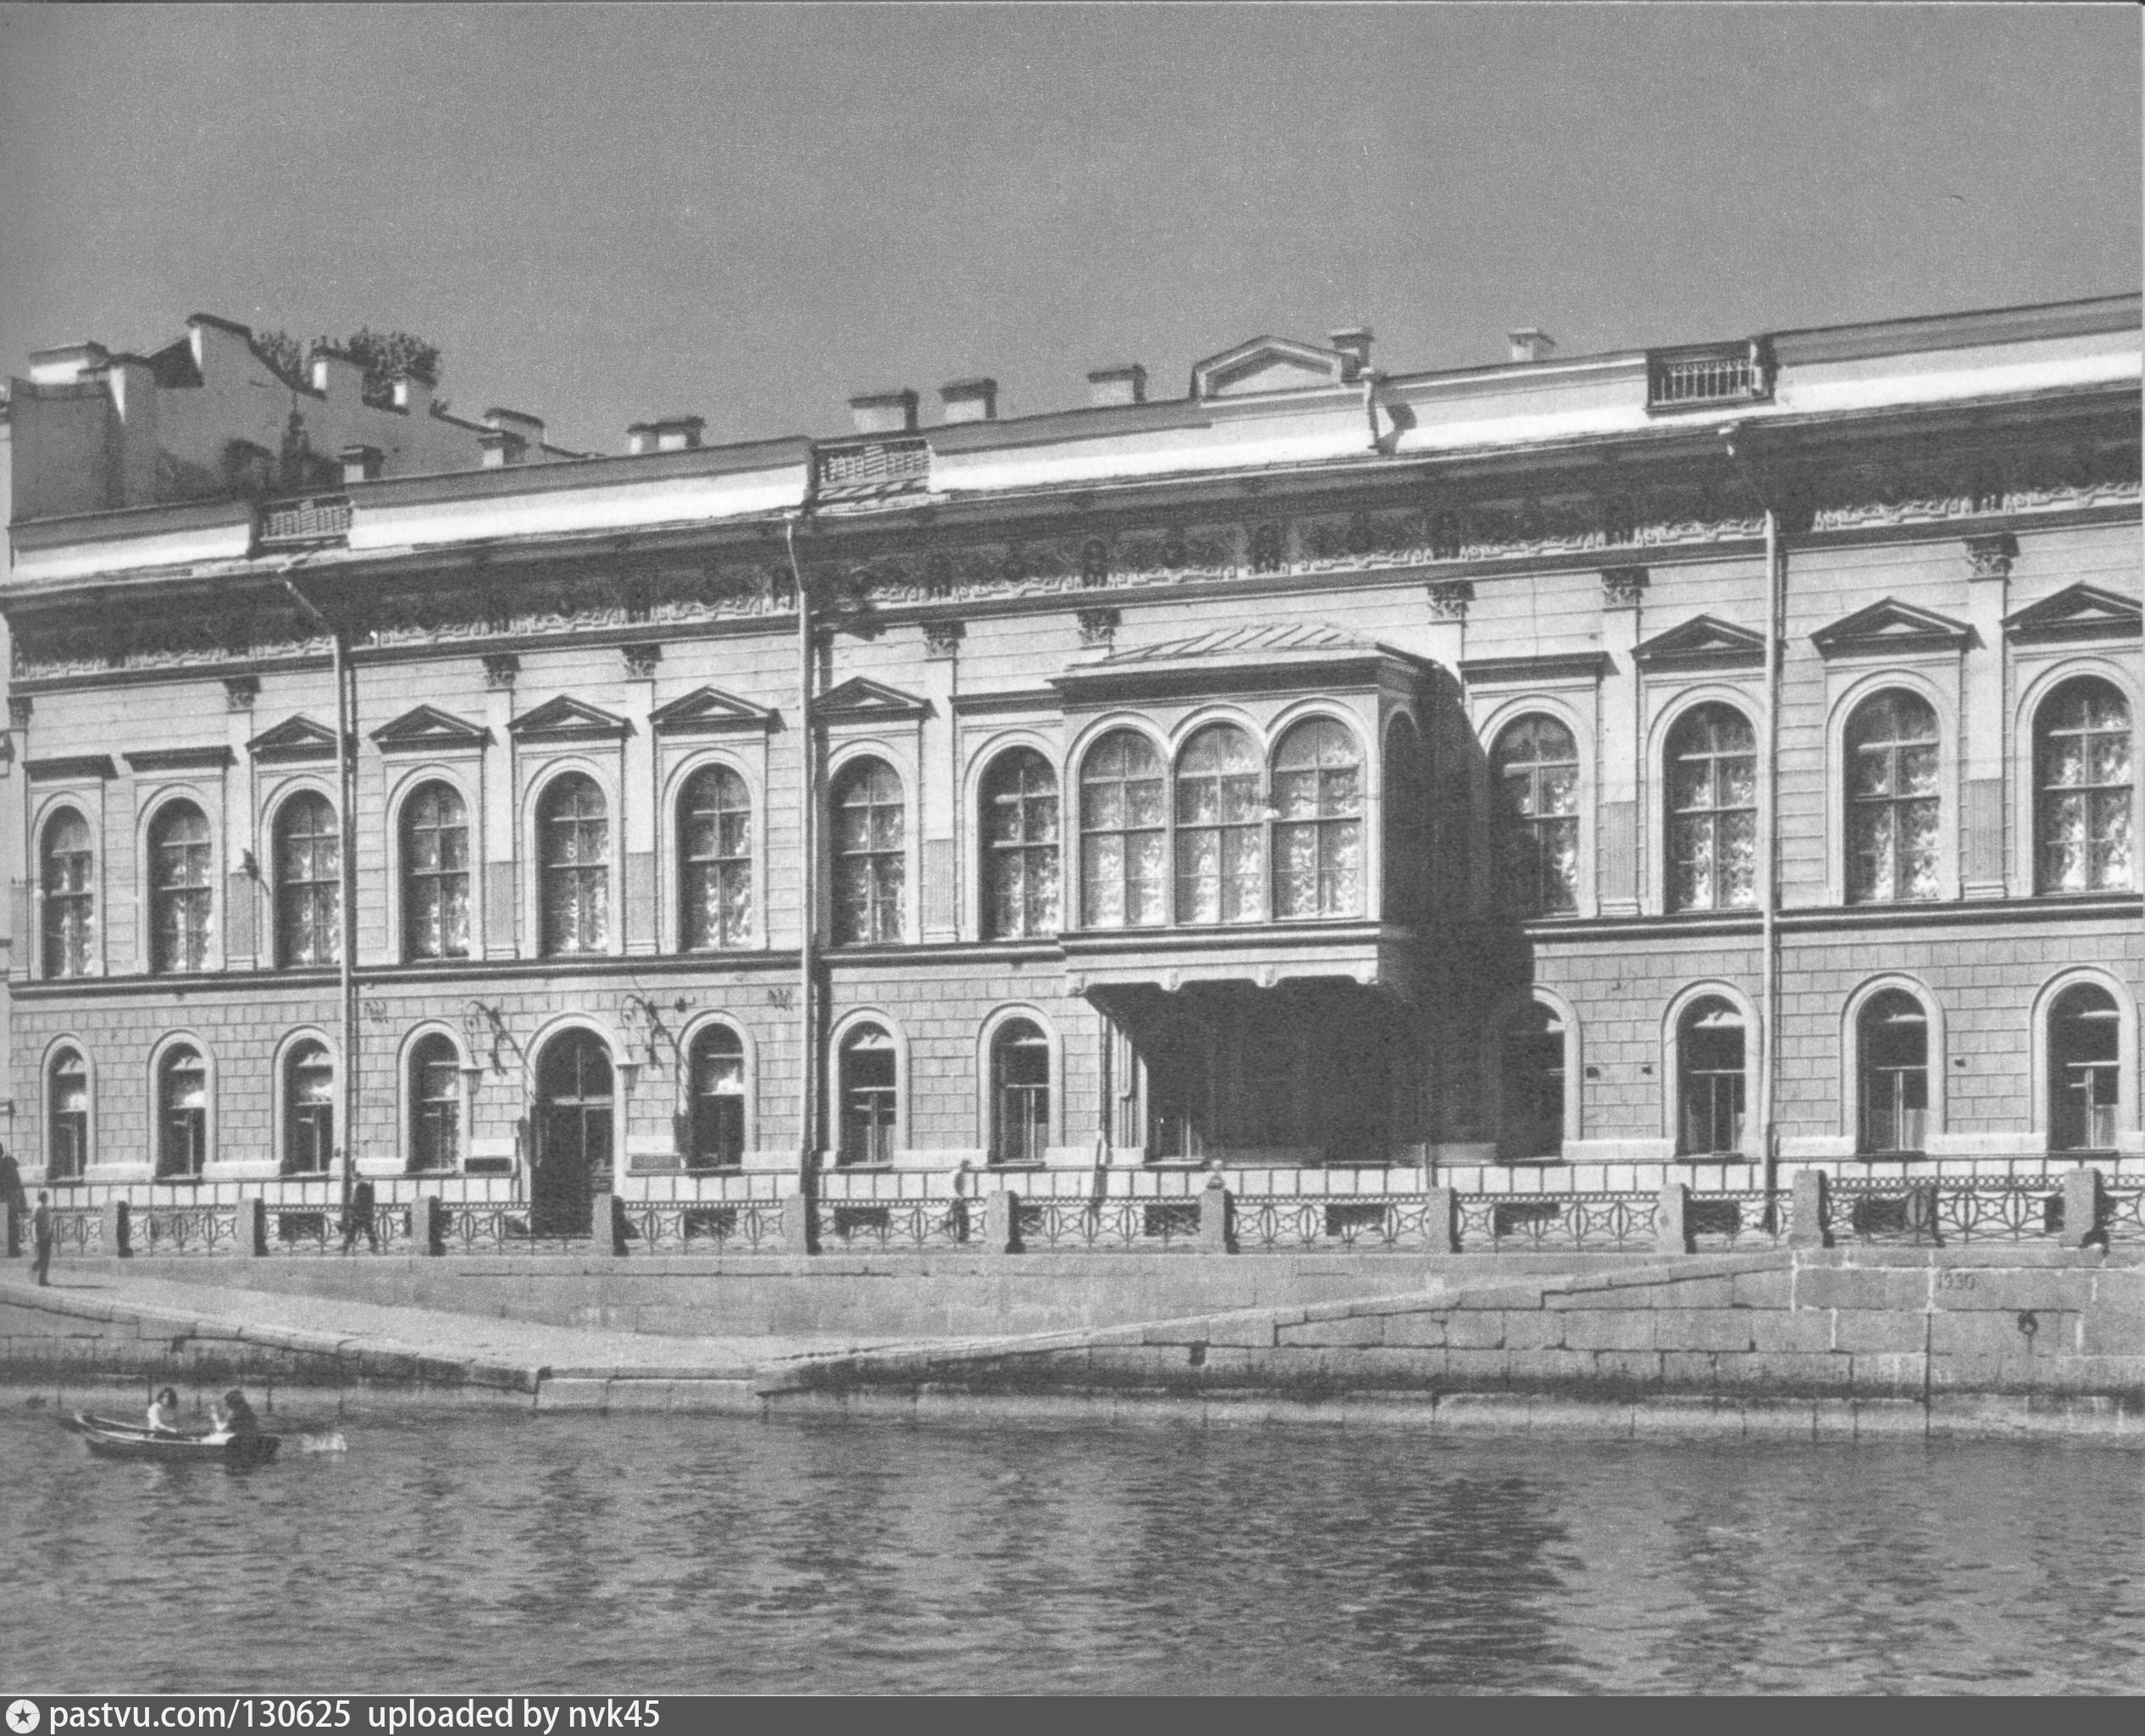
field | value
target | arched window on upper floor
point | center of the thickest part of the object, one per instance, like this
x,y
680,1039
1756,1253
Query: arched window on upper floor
x,y
870,850
1020,831
2084,823
1536,766
67,1147
715,861
181,891
1712,780
309,882
574,837
1892,800
1220,828
1318,824
435,874
1123,834
67,886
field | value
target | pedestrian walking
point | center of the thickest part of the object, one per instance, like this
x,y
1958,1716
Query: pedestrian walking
x,y
358,1219
41,1231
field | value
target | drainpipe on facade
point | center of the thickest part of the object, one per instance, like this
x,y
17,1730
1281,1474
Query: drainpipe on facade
x,y
807,882
346,951
1733,442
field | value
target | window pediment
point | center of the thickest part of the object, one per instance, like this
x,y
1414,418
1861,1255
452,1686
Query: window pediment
x,y
296,738
1265,364
862,700
565,719
709,711
1706,642
428,727
1891,625
181,759
70,769
2080,612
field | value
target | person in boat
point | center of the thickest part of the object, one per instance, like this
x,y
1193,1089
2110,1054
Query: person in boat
x,y
163,1413
233,1418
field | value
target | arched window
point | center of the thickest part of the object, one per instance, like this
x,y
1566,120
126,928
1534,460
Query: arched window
x,y
1892,800
1220,822
1535,764
1892,1033
66,877
715,874
435,1104
867,1097
308,1111
2085,1033
1531,1084
1318,832
1712,811
67,1153
1020,1093
718,1099
181,895
1020,845
1122,833
574,1112
182,1112
435,874
309,882
2083,769
869,872
573,827
1709,1058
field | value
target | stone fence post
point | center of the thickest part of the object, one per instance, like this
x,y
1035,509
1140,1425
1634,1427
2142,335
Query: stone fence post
x,y
621,1227
800,1227
428,1224
1217,1229
1441,1220
249,1235
1672,1232
1001,1223
118,1230
2082,1207
1808,1209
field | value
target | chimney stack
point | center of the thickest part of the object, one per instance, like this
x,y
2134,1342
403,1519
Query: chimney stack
x,y
969,400
673,434
884,412
1530,344
362,463
1354,343
336,375
412,394
66,364
1125,384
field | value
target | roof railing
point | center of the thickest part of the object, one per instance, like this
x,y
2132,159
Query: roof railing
x,y
1704,374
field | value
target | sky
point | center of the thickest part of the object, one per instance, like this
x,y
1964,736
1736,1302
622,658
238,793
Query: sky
x,y
607,213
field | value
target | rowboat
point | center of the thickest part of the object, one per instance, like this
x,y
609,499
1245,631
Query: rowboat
x,y
111,1439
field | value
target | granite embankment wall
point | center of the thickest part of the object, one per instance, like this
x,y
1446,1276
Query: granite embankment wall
x,y
1819,1341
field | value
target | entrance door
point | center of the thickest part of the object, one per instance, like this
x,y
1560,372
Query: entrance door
x,y
572,1162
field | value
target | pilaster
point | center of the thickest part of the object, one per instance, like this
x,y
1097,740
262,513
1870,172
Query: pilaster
x,y
502,906
1617,738
938,800
638,801
1981,769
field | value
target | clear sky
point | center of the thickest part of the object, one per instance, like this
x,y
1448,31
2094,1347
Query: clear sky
x,y
603,213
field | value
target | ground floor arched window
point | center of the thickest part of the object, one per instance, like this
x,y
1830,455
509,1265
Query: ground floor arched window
x,y
868,1090
308,1111
182,1112
1531,1084
717,1124
2085,1034
66,1152
435,1105
1020,1093
1710,1093
1892,1038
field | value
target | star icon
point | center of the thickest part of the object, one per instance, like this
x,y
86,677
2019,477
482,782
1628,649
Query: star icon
x,y
22,1716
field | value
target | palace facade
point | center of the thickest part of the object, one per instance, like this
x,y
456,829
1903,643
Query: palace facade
x,y
1590,770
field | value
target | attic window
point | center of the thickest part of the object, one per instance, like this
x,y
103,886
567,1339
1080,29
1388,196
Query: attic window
x,y
874,467
322,519
1712,374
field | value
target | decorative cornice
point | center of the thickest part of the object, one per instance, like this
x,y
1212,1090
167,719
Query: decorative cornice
x,y
1535,671
181,759
70,767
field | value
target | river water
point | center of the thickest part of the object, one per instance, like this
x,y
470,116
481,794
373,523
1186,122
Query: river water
x,y
482,1550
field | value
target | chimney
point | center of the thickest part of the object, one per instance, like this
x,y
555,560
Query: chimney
x,y
66,364
509,437
1354,343
884,412
1530,344
1125,384
132,384
219,344
337,375
970,400
362,463
674,434
412,394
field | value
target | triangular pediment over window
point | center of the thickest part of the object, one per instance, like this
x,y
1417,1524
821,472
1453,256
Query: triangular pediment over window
x,y
709,711
1891,626
1267,364
861,697
1705,643
567,719
296,738
2082,611
429,727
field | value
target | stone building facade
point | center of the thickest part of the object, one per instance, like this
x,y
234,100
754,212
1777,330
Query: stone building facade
x,y
1562,772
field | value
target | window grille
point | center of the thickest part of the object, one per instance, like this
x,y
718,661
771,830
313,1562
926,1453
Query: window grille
x,y
1728,373
877,466
325,519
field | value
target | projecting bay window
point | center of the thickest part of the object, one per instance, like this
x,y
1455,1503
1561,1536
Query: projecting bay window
x,y
1124,838
1318,828
2084,773
1892,801
308,893
435,874
1713,811
1220,829
182,894
67,868
869,847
